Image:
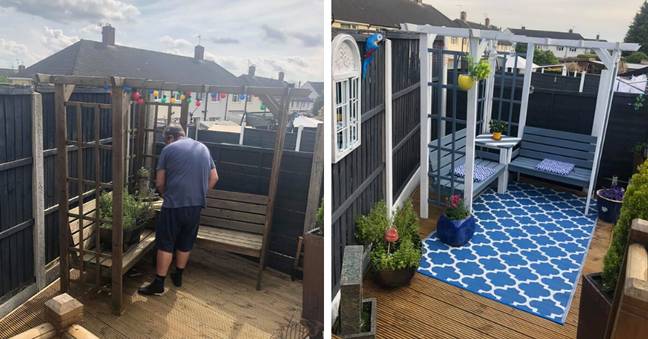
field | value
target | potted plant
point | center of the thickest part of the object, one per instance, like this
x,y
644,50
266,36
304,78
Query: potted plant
x,y
395,243
497,127
137,215
609,200
598,289
456,225
476,71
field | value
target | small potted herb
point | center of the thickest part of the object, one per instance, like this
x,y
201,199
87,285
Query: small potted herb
x,y
136,216
456,225
476,71
609,201
497,127
395,243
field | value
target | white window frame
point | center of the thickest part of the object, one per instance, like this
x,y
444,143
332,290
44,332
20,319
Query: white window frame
x,y
346,69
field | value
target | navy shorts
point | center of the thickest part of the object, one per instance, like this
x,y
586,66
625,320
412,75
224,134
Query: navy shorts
x,y
177,228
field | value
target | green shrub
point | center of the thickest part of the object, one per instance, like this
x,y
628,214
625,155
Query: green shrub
x,y
135,212
404,253
635,205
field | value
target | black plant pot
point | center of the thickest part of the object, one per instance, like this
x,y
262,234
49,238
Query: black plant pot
x,y
595,307
131,237
394,278
608,209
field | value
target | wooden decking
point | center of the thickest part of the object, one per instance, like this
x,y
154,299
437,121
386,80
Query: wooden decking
x,y
218,299
429,308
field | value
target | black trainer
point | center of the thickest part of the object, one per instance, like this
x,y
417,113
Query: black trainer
x,y
176,277
156,287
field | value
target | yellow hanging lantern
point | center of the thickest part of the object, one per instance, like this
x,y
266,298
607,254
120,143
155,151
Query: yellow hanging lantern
x,y
172,100
182,97
156,93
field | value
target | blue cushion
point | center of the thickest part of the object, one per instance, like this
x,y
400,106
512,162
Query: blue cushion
x,y
481,172
555,167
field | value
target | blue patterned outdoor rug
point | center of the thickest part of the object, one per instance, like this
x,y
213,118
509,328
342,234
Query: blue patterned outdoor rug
x,y
527,252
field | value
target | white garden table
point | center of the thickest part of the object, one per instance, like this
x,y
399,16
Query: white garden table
x,y
505,145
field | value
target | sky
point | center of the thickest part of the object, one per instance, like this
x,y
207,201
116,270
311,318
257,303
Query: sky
x,y
609,18
277,35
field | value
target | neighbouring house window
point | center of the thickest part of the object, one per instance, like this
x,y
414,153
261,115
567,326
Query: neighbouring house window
x,y
346,82
235,98
572,49
560,48
453,40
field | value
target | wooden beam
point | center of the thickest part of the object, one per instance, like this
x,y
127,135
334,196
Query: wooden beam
x,y
315,183
62,184
69,89
119,113
38,190
274,177
526,88
426,42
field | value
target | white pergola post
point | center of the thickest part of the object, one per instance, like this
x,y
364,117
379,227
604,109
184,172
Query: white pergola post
x,y
389,167
471,121
300,129
602,112
426,41
490,86
242,133
582,82
526,88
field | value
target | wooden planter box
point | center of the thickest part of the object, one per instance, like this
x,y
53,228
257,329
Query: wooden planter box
x,y
594,310
313,283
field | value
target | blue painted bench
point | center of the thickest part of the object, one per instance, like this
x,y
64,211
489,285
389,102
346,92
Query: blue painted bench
x,y
441,170
540,143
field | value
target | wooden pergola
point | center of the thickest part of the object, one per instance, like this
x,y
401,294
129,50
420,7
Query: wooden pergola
x,y
132,143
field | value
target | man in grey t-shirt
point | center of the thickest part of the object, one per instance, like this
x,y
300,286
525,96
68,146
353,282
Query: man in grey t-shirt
x,y
185,172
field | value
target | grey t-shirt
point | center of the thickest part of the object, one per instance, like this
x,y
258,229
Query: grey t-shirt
x,y
187,164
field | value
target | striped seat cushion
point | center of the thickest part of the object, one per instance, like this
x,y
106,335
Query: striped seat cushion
x,y
481,172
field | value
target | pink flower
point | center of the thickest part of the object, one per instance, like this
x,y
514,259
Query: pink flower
x,y
455,200
391,235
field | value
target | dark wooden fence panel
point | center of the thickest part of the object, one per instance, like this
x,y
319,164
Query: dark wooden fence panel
x,y
247,169
406,108
16,218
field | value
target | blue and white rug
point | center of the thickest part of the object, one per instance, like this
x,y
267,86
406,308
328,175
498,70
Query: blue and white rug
x,y
527,252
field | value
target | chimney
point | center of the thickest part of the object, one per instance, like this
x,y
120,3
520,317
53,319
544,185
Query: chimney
x,y
419,1
251,70
199,53
281,76
571,30
463,16
108,35
487,22
598,37
523,27
21,68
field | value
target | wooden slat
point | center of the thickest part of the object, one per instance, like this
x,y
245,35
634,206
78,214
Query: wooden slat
x,y
557,149
236,206
233,215
541,155
583,146
231,224
560,134
231,241
130,257
237,196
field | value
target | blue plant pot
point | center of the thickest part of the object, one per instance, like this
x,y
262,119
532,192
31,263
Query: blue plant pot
x,y
455,232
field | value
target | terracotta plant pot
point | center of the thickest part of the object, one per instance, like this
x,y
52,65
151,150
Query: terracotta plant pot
x,y
394,278
465,82
455,232
594,309
497,136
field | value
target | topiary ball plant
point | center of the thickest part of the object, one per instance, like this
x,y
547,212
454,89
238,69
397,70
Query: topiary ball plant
x,y
635,205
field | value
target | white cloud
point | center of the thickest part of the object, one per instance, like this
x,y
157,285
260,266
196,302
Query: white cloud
x,y
93,30
296,68
55,40
176,46
15,52
75,10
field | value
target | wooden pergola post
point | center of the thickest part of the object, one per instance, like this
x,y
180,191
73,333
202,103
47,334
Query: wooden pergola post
x,y
119,113
61,179
274,177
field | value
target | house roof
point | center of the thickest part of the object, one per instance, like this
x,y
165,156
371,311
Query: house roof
x,y
534,33
255,80
92,58
318,86
388,13
469,24
8,72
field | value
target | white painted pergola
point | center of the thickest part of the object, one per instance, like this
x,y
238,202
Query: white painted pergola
x,y
481,41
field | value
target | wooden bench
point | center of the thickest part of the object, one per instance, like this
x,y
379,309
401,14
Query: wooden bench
x,y
540,143
441,163
235,222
